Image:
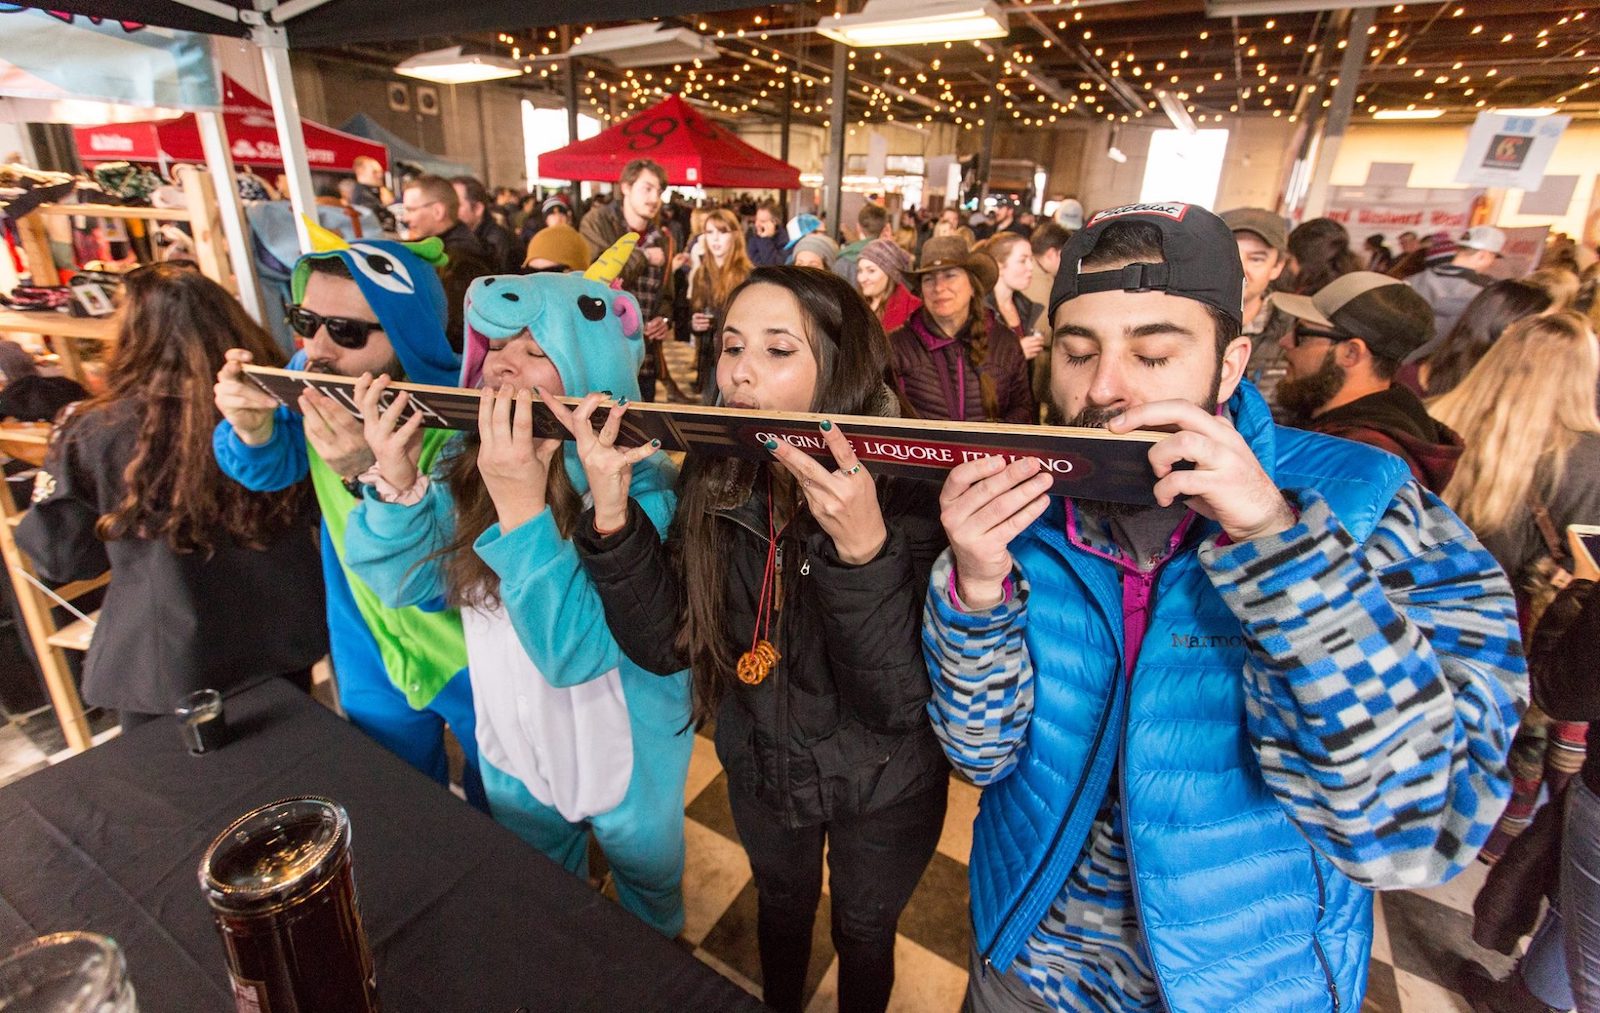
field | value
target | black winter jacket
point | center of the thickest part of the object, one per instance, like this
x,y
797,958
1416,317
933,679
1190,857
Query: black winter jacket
x,y
840,727
172,622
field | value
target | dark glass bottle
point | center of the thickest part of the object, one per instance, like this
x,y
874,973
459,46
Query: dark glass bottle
x,y
282,889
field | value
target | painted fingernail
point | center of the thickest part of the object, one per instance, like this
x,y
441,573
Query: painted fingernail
x,y
770,444
825,425
607,393
537,392
621,401
656,444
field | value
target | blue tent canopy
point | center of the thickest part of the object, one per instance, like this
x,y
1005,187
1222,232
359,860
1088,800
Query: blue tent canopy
x,y
401,150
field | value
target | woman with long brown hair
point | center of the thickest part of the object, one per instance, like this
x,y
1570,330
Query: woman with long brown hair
x,y
572,737
212,586
723,266
796,594
1007,300
955,358
1443,363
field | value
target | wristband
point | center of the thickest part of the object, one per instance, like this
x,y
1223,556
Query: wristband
x,y
389,494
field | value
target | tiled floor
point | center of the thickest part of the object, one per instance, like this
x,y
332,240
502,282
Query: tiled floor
x,y
1421,937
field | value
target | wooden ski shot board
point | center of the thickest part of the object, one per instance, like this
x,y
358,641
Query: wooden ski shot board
x,y
1088,463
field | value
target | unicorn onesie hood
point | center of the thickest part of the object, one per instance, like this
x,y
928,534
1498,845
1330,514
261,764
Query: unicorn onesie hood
x,y
577,319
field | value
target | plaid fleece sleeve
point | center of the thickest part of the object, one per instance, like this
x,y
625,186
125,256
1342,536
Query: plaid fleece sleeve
x,y
982,676
1384,684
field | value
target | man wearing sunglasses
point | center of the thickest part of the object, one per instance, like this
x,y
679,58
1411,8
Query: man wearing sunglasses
x,y
375,306
1342,353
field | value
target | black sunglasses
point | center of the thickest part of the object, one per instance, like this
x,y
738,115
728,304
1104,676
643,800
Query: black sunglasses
x,y
346,332
1302,332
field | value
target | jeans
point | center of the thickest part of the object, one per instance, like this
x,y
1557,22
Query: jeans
x,y
1580,894
874,863
1562,965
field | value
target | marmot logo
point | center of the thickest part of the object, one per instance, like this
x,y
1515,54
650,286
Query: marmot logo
x,y
1210,640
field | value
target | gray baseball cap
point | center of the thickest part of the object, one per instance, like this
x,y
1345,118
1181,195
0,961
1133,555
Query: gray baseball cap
x,y
1382,311
1269,225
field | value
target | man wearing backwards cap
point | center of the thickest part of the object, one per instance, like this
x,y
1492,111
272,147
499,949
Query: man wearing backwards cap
x,y
1448,287
1206,730
1342,353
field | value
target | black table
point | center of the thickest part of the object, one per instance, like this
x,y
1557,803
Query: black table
x,y
463,917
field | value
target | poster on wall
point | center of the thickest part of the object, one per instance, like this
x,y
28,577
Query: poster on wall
x,y
1510,151
1388,211
1522,251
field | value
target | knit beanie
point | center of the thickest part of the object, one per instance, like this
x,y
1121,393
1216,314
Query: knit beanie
x,y
890,258
559,243
819,244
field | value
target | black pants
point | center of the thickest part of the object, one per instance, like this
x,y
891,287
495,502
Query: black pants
x,y
300,680
874,863
647,374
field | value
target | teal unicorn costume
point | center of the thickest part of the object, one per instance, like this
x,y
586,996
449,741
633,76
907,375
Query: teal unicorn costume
x,y
572,736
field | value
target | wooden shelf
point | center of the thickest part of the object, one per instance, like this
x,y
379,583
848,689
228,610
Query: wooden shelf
x,y
116,211
59,324
75,636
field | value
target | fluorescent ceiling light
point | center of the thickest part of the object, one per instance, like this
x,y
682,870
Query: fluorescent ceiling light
x,y
910,23
452,66
1408,114
1533,111
1269,8
645,46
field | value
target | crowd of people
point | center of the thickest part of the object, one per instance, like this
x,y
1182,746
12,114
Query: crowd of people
x,y
1206,731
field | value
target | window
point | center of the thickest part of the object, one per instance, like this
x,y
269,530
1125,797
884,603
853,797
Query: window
x,y
1184,167
546,130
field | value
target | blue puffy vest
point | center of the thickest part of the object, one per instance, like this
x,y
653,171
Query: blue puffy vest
x,y
1238,911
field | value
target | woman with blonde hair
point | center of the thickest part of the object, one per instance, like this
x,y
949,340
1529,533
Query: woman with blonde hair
x,y
1560,284
1526,413
723,265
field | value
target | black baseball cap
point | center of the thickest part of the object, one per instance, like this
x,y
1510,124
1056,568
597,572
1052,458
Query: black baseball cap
x,y
1200,259
1384,312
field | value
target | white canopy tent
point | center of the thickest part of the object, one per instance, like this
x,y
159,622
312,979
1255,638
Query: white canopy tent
x,y
115,72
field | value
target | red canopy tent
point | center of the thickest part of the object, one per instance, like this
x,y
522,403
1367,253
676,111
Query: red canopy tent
x,y
252,138
693,150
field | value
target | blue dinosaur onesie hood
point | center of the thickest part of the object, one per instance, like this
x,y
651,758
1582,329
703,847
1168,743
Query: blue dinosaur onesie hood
x,y
403,289
593,334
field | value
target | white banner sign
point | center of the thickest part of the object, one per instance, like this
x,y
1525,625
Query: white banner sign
x,y
1389,211
1510,150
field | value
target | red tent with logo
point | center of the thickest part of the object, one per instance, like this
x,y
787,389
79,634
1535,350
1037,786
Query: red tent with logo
x,y
693,150
252,138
